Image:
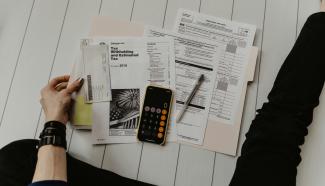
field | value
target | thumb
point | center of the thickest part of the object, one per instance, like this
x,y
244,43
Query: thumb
x,y
74,86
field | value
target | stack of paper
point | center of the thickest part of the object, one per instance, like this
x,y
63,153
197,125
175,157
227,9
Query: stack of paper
x,y
199,44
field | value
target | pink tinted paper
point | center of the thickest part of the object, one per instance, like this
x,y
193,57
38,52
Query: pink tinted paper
x,y
106,26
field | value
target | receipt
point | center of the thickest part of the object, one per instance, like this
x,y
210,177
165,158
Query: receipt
x,y
236,40
96,72
192,58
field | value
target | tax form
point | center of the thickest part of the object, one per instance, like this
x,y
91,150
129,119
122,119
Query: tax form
x,y
236,39
96,72
193,58
134,63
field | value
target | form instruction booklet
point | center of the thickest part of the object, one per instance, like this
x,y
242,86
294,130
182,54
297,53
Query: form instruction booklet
x,y
134,64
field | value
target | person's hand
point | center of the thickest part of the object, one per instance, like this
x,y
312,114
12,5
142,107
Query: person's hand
x,y
56,98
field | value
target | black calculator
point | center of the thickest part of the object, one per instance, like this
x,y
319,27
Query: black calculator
x,y
155,115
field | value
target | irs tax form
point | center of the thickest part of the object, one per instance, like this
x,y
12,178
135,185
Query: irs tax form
x,y
193,57
236,39
134,63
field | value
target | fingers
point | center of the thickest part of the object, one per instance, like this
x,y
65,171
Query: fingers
x,y
55,81
61,86
74,86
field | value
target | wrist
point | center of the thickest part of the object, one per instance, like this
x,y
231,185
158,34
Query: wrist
x,y
56,118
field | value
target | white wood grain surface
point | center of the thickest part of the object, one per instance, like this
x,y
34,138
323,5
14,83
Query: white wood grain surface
x,y
122,159
76,26
190,160
39,40
250,11
150,12
195,166
220,175
278,39
173,7
33,69
219,8
14,16
148,171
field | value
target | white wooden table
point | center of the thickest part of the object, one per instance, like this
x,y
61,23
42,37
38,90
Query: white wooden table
x,y
40,38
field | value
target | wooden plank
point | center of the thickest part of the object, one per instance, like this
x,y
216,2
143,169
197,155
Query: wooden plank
x,y
122,159
118,9
311,168
195,166
148,171
76,26
37,52
82,149
95,154
150,12
242,12
306,8
14,16
279,37
173,7
223,170
193,159
219,8
158,163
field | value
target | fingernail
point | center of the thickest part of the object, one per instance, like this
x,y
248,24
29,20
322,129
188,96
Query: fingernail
x,y
78,79
81,81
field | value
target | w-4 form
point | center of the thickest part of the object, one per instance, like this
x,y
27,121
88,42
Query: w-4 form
x,y
236,40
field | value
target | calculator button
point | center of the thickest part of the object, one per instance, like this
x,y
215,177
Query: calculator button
x,y
161,129
158,110
153,109
163,117
160,135
156,122
147,108
162,123
164,111
151,115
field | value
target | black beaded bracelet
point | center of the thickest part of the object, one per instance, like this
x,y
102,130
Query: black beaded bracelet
x,y
54,133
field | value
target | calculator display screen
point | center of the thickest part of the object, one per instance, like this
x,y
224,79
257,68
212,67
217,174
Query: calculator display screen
x,y
155,115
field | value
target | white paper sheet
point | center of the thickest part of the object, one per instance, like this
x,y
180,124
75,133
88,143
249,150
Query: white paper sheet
x,y
161,69
236,40
134,63
193,58
96,72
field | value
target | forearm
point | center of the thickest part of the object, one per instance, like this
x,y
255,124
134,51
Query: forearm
x,y
51,164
